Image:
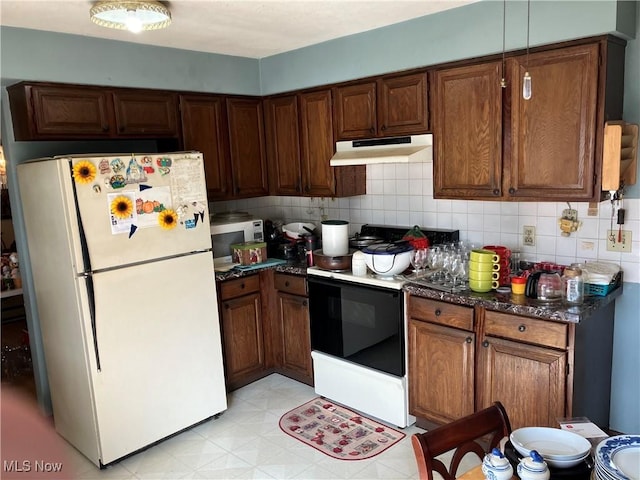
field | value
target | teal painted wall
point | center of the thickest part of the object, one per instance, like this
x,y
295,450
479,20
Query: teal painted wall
x,y
469,31
57,57
464,32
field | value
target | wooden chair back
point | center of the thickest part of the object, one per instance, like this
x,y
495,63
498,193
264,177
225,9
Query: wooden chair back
x,y
477,433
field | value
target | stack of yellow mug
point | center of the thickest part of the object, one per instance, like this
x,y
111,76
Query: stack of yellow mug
x,y
484,270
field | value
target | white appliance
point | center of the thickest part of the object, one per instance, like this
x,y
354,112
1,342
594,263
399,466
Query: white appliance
x,y
408,149
231,228
353,364
123,277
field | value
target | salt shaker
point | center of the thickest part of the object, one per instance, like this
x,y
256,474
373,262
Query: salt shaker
x,y
533,467
496,467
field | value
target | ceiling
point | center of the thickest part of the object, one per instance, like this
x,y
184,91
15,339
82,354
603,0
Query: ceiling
x,y
245,28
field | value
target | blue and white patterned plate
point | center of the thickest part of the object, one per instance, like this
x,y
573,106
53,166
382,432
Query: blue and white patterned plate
x,y
619,457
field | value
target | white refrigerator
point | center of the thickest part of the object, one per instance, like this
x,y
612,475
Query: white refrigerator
x,y
122,268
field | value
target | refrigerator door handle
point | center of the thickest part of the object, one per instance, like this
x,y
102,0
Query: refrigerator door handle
x,y
92,312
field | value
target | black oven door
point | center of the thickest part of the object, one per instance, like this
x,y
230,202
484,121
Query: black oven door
x,y
360,323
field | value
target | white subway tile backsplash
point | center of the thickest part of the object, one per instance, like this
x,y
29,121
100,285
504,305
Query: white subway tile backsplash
x,y
508,208
404,196
547,226
491,208
443,206
402,171
415,186
509,224
546,209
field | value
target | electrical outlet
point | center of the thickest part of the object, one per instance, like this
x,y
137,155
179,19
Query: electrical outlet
x,y
529,236
624,245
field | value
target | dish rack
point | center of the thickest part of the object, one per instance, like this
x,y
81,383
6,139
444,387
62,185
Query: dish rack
x,y
598,290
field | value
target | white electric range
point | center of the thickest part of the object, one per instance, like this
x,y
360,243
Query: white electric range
x,y
359,338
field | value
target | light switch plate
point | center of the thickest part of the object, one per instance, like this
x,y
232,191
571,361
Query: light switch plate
x,y
624,245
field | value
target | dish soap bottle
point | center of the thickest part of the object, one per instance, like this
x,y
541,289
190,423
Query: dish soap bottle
x,y
496,467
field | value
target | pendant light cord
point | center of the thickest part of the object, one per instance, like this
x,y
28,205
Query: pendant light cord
x,y
526,81
528,28
503,82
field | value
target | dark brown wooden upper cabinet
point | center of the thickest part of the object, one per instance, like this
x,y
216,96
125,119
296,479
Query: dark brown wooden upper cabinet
x,y
300,146
247,147
204,128
402,105
283,145
355,111
42,111
389,106
316,143
150,113
493,144
553,135
46,111
467,131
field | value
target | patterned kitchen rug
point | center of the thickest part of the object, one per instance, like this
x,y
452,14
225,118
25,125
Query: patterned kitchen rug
x,y
337,431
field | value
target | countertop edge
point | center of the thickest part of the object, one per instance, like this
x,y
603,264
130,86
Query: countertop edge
x,y
519,305
500,302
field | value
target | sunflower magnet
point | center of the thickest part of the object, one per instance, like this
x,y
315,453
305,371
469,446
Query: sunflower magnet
x,y
84,172
122,212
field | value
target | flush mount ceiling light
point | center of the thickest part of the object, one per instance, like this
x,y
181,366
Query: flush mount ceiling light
x,y
132,15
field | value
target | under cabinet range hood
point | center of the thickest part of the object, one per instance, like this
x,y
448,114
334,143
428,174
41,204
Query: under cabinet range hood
x,y
409,149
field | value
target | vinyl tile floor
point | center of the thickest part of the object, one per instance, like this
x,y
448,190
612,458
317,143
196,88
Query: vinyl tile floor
x,y
246,442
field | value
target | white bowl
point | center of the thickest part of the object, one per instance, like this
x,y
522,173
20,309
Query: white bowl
x,y
565,463
388,265
551,443
296,229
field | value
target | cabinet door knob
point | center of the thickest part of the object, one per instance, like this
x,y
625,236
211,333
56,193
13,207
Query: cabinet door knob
x,y
512,190
468,339
286,284
105,128
438,312
226,306
383,128
372,130
485,344
496,191
522,328
242,286
304,303
121,129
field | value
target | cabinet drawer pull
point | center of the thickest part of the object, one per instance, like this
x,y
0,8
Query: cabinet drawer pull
x,y
485,344
242,286
522,328
438,312
468,339
512,190
286,284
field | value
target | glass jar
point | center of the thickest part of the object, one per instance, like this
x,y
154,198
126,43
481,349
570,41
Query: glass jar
x,y
573,285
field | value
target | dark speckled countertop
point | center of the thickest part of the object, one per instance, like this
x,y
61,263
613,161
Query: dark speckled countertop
x,y
519,304
292,267
501,302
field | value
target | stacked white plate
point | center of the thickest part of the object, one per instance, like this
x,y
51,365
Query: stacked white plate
x,y
559,448
618,458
